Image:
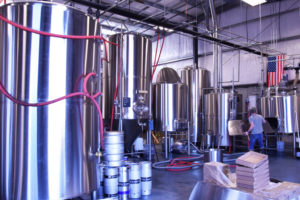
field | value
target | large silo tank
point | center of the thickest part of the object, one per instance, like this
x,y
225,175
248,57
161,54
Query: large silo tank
x,y
217,113
170,106
197,80
135,51
46,151
281,108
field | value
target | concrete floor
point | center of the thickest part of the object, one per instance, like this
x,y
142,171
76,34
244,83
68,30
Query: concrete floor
x,y
178,185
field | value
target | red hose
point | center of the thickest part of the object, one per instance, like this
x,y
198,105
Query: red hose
x,y
155,64
116,92
85,93
155,54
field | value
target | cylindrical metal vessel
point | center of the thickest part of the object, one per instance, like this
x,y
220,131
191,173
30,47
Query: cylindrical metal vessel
x,y
123,183
114,148
170,106
167,75
136,64
111,181
100,180
47,152
213,155
197,80
146,177
135,187
217,110
283,109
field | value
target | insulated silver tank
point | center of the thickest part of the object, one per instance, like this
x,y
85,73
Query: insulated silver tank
x,y
196,80
283,109
113,148
217,112
170,106
47,152
134,88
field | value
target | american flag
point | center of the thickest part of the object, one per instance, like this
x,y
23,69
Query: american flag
x,y
275,69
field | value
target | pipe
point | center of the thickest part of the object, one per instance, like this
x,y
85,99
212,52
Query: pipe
x,y
216,48
195,47
296,78
138,17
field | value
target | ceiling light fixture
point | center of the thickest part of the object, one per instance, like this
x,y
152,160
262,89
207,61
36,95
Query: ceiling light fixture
x,y
254,2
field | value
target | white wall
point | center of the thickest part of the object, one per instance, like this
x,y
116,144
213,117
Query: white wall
x,y
283,30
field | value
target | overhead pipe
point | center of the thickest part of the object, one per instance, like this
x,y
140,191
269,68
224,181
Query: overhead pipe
x,y
217,49
139,17
195,47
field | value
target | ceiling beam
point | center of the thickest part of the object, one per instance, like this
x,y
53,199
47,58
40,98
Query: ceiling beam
x,y
169,25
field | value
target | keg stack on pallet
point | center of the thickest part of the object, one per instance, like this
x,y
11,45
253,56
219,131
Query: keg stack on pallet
x,y
119,179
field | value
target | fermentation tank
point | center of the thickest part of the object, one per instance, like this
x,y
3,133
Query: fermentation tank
x,y
281,108
134,59
134,88
217,113
196,80
170,106
47,152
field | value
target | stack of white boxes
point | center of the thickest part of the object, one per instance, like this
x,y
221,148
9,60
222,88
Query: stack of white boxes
x,y
252,171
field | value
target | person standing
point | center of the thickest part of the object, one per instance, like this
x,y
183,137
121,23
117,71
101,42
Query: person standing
x,y
256,129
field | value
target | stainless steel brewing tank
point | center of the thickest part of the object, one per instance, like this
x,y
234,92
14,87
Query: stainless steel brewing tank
x,y
45,152
136,64
170,106
196,80
217,112
283,109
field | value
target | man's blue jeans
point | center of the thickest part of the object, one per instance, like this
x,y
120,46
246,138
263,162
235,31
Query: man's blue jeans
x,y
253,138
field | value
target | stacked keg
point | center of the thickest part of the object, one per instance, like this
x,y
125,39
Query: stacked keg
x,y
119,179
113,160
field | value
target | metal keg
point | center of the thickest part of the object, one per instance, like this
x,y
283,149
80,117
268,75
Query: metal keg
x,y
146,177
123,183
111,181
100,180
114,148
135,186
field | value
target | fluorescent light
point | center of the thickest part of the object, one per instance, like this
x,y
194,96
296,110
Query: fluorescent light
x,y
254,2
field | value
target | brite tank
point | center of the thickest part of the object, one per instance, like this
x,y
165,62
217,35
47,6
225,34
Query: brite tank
x,y
281,108
170,106
217,113
46,152
197,80
136,55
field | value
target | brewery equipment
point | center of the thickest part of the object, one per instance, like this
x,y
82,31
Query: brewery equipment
x,y
113,148
219,108
146,177
135,187
111,175
47,152
282,109
129,65
171,106
197,80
